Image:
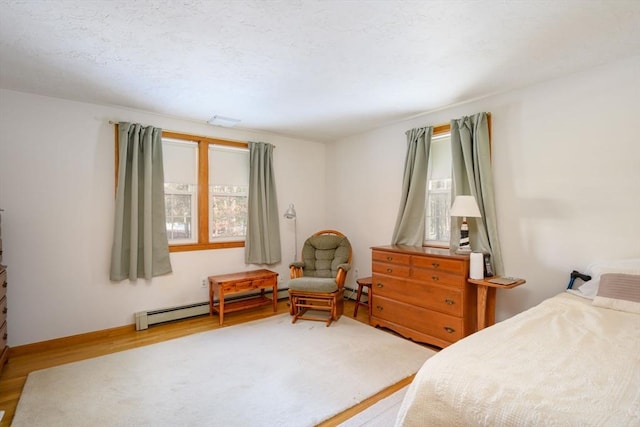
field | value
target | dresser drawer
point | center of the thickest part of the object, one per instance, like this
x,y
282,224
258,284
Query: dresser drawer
x,y
390,269
444,299
390,257
439,278
425,321
452,266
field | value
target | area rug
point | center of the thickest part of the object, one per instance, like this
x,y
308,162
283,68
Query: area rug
x,y
268,372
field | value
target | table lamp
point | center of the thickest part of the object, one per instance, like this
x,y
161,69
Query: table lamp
x,y
465,206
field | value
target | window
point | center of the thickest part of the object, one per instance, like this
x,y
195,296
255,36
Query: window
x,y
206,191
180,160
228,193
438,200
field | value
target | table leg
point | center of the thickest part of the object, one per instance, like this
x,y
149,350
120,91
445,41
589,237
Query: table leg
x,y
274,296
482,306
491,307
210,298
221,305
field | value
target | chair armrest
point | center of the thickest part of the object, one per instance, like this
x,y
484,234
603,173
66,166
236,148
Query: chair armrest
x,y
295,270
345,267
342,274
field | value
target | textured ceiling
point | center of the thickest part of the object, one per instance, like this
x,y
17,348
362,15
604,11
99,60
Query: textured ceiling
x,y
317,70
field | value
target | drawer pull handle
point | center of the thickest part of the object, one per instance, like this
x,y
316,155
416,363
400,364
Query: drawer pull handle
x,y
435,264
435,278
380,285
4,310
4,337
389,270
389,258
449,329
4,285
449,301
379,307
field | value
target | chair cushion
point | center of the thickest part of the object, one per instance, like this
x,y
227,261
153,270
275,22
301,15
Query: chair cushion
x,y
322,255
313,284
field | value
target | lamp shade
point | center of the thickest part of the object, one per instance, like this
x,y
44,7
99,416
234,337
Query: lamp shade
x,y
465,206
291,212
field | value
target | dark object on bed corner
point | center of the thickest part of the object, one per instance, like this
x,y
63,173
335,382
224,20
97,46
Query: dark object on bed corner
x,y
577,275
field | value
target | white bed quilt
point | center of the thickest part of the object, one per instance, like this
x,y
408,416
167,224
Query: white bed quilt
x,y
561,363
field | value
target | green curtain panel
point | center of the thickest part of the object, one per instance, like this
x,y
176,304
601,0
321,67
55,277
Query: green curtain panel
x,y
140,247
471,162
409,229
262,244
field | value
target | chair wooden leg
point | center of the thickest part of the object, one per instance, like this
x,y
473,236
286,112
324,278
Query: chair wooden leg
x,y
358,296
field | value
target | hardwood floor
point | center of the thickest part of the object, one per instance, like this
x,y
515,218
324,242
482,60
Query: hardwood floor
x,y
24,359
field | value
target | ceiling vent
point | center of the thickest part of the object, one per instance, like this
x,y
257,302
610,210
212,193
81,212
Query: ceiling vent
x,y
226,122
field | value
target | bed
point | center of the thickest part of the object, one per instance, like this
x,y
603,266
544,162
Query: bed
x,y
569,361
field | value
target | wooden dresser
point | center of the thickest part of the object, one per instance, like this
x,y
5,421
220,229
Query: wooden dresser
x,y
423,294
4,348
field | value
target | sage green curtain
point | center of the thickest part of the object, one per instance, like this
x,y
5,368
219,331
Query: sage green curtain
x,y
140,247
262,244
409,229
471,162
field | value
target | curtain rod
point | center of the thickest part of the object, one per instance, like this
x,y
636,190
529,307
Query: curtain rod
x,y
233,142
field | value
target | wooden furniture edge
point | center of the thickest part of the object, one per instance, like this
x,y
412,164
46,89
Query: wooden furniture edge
x,y
40,346
410,334
486,299
485,282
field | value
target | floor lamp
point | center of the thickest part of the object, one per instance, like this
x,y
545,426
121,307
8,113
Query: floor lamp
x,y
291,214
465,206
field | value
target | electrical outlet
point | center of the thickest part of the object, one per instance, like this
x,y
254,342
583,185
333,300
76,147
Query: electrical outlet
x,y
357,273
204,283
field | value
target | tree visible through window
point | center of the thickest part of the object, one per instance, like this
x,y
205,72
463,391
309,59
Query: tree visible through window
x,y
229,207
179,207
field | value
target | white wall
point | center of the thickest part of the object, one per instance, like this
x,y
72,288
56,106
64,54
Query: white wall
x,y
566,160
57,189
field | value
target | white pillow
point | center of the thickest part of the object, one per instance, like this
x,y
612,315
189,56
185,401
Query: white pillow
x,y
589,289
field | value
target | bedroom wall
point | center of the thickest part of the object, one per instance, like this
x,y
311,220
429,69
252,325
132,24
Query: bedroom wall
x,y
57,189
567,178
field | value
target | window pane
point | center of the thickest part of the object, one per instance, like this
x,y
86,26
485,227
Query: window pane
x,y
180,209
438,225
229,212
228,193
180,161
438,203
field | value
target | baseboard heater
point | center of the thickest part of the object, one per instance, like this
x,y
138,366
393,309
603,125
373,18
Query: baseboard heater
x,y
144,319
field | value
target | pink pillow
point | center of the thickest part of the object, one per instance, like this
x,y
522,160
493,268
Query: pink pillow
x,y
619,292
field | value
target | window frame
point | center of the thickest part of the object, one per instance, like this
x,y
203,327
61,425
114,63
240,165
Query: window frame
x,y
202,192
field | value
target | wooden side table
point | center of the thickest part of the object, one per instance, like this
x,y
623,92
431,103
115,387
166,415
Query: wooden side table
x,y
227,284
487,299
364,282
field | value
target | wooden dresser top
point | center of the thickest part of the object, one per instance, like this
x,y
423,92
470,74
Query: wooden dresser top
x,y
421,250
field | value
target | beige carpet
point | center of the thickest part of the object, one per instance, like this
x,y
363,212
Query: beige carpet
x,y
264,373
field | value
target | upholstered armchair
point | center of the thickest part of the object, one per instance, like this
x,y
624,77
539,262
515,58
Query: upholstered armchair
x,y
317,282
